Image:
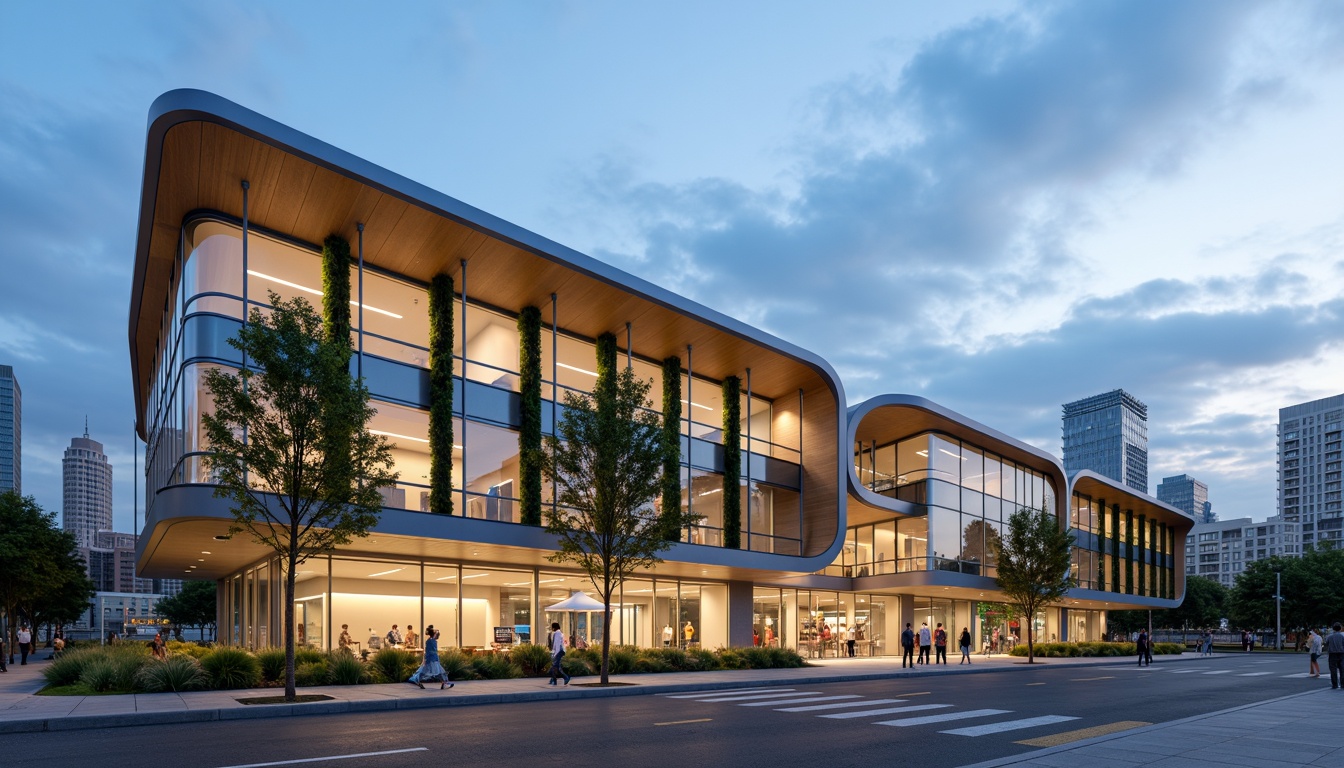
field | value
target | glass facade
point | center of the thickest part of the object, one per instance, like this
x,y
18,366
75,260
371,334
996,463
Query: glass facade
x,y
1116,550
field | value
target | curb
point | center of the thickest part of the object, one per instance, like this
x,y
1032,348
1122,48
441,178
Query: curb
x,y
177,717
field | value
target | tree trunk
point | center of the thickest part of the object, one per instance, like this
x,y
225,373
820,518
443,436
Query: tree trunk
x,y
1031,649
289,627
606,638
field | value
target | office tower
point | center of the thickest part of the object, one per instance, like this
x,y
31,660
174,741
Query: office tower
x,y
87,507
11,432
1188,495
1221,550
1309,468
111,564
1108,434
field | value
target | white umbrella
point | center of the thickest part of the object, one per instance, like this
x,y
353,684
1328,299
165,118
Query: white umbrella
x,y
577,602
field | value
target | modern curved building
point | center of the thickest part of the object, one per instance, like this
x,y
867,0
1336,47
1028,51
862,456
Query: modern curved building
x,y
849,517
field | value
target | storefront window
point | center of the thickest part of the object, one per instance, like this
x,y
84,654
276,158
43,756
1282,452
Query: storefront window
x,y
491,472
310,604
371,596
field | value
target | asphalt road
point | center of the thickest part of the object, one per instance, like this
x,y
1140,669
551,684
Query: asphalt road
x,y
943,721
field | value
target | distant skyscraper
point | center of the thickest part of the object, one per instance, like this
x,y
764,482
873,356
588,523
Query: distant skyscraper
x,y
11,431
1188,495
1108,434
1309,468
1222,550
87,507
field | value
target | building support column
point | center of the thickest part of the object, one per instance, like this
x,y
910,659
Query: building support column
x,y
741,608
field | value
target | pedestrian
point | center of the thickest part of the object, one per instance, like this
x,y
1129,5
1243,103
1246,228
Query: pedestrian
x,y
994,644
908,647
1314,647
1148,651
25,641
430,669
849,641
940,645
4,656
965,642
925,641
1141,645
1334,645
557,644
156,646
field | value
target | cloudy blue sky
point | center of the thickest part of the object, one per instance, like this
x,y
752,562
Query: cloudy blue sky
x,y
999,206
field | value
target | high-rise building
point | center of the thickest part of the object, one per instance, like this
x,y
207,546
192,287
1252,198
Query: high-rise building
x,y
11,431
1221,550
87,507
1108,434
111,564
1309,468
1188,495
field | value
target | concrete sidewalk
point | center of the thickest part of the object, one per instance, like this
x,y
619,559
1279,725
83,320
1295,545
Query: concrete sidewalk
x,y
1257,734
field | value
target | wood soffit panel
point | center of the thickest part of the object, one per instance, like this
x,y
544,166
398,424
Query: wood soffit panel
x,y
203,163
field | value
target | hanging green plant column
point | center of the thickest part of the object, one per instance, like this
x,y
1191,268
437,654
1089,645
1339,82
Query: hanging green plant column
x,y
529,426
732,462
441,395
671,491
336,289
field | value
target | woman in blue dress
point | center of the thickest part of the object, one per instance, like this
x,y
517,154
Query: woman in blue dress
x,y
431,670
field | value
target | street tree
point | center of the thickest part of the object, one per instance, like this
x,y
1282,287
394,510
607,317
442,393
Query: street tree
x,y
1033,565
1311,587
290,444
42,577
194,606
606,463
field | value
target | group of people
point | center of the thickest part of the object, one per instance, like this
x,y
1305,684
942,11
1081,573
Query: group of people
x,y
935,639
1334,647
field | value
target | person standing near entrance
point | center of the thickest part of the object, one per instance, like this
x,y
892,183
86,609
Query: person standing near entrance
x,y
25,641
1141,645
558,653
940,645
965,642
908,647
1334,645
849,641
1314,648
925,640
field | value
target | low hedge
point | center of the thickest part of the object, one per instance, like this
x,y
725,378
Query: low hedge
x,y
1066,650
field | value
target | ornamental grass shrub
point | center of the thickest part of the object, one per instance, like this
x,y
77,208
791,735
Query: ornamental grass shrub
x,y
1065,650
194,650
494,668
311,673
232,668
456,664
179,672
67,669
307,656
394,665
272,661
534,660
344,669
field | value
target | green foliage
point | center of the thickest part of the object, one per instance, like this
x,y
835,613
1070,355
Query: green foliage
x,y
1064,650
457,665
194,650
1204,605
176,673
42,579
622,660
230,667
581,666
534,660
345,669
272,663
670,487
308,443
441,395
113,669
529,425
1313,591
194,606
493,668
393,665
1033,563
67,669
309,656
336,291
311,673
732,462
605,461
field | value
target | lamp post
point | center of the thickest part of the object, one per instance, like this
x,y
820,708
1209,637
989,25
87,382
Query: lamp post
x,y
1278,610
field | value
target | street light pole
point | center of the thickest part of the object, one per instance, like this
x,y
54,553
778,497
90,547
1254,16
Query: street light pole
x,y
1278,610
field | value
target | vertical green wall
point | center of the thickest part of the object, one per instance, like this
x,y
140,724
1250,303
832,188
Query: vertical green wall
x,y
441,395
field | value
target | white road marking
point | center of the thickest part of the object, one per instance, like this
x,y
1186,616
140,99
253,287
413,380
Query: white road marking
x,y
1254,674
1300,674
1183,671
1009,725
887,711
843,705
757,696
707,692
713,694
333,757
798,701
1218,672
909,721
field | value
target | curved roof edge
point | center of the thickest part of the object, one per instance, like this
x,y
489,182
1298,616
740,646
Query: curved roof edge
x,y
189,104
858,412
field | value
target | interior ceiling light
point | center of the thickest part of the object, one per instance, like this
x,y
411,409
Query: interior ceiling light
x,y
384,573
222,538
401,437
314,292
697,405
203,552
579,370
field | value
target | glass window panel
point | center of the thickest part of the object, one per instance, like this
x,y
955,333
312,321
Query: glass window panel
x,y
884,547
396,317
369,596
912,460
945,537
884,469
706,489
493,598
492,349
491,473
1008,483
408,431
442,583
947,459
993,475
912,544
972,468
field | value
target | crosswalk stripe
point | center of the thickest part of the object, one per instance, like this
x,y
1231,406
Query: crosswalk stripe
x,y
905,722
1254,674
1009,725
842,705
887,711
1183,671
777,702
698,694
1218,672
1300,674
758,696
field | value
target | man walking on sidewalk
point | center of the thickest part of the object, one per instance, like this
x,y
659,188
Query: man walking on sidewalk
x,y
908,647
1334,645
25,640
940,645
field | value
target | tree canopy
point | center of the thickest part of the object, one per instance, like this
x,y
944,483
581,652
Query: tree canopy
x,y
290,443
42,577
194,606
1312,589
606,463
1034,559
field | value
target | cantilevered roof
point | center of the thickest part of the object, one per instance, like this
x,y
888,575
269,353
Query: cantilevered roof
x,y
201,147
1097,486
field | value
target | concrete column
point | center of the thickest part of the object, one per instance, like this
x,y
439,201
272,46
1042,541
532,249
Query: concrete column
x,y
740,609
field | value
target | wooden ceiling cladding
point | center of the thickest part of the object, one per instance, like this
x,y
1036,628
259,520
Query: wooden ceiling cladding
x,y
1128,499
203,163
